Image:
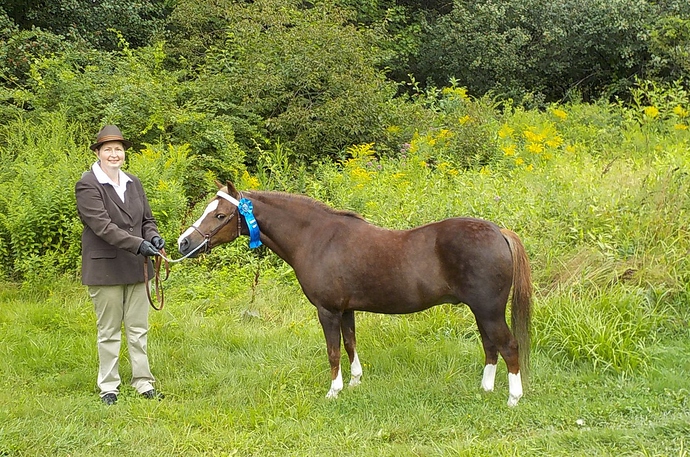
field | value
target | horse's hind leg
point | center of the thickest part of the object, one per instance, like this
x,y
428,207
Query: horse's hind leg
x,y
350,342
490,360
331,323
497,332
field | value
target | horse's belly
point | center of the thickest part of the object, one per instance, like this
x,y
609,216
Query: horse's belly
x,y
400,299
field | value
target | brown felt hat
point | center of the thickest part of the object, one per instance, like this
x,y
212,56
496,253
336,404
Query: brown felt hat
x,y
110,133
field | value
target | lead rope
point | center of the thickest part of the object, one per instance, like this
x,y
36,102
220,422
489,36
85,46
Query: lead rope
x,y
160,297
254,242
158,287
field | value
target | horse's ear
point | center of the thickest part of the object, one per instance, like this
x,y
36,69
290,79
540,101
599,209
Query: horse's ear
x,y
219,184
231,189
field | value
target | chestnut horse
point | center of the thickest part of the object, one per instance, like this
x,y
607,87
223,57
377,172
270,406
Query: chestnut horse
x,y
345,264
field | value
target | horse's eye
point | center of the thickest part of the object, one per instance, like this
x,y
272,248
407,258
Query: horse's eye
x,y
220,217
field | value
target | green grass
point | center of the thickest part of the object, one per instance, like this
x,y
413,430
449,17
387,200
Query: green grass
x,y
253,383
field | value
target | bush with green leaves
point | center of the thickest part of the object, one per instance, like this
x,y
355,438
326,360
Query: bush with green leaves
x,y
41,162
133,89
540,47
87,20
306,71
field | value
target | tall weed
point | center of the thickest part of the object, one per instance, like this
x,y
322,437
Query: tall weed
x,y
40,162
610,328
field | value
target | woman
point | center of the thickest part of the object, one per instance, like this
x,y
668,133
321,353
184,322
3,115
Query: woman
x,y
119,234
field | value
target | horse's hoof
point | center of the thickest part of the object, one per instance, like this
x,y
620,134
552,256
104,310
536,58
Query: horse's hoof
x,y
513,400
355,381
332,394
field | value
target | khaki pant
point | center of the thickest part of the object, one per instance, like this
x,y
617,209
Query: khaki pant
x,y
115,305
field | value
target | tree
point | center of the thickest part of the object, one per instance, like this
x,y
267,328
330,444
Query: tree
x,y
307,71
546,47
90,19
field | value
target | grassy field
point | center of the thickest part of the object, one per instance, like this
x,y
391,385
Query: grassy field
x,y
245,377
600,198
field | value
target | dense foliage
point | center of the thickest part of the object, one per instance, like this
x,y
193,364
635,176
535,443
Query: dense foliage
x,y
89,20
280,90
280,93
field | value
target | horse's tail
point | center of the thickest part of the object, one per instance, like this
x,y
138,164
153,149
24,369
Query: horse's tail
x,y
521,305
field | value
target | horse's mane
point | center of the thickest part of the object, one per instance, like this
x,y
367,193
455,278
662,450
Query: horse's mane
x,y
316,204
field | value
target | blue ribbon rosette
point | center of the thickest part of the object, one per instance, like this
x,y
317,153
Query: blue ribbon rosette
x,y
246,209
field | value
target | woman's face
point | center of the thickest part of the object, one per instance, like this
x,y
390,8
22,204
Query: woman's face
x,y
112,155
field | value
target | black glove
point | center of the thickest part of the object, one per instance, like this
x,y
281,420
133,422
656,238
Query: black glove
x,y
158,242
147,249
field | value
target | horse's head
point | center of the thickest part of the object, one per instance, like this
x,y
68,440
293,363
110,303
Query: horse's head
x,y
220,223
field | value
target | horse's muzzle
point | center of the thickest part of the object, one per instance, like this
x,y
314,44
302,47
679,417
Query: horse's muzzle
x,y
185,247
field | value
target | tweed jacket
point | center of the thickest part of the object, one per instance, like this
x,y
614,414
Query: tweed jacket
x,y
113,231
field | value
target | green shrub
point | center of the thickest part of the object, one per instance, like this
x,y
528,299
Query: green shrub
x,y
308,74
537,47
134,90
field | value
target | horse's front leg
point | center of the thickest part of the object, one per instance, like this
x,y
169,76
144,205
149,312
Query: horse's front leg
x,y
350,342
331,322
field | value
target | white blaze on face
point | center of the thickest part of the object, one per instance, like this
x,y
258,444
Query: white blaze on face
x,y
210,208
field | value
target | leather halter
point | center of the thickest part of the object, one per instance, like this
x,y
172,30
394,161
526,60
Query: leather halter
x,y
207,237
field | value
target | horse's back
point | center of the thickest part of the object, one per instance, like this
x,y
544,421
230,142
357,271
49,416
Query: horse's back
x,y
400,271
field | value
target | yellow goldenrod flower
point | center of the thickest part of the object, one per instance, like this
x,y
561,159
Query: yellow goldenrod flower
x,y
680,111
509,150
529,167
555,142
505,131
360,174
680,127
465,119
535,148
559,113
651,111
519,161
444,134
250,181
455,92
533,137
360,151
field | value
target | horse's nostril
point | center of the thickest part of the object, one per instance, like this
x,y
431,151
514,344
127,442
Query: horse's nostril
x,y
184,243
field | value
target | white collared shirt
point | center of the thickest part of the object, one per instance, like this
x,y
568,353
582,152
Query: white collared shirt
x,y
104,179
